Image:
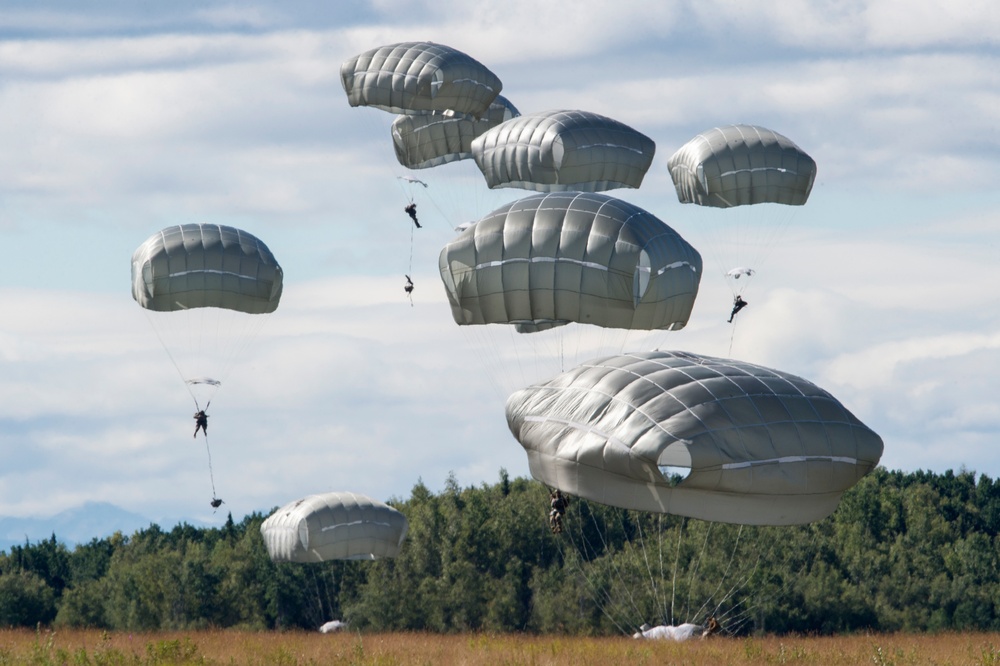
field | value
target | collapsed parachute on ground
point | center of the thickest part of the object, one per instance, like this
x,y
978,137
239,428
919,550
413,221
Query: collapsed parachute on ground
x,y
334,526
419,77
562,150
551,259
678,634
739,165
432,139
205,265
333,626
763,447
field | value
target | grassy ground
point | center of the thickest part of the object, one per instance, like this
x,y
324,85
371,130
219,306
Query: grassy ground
x,y
279,649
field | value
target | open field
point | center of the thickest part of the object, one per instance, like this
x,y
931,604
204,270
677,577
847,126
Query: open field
x,y
294,648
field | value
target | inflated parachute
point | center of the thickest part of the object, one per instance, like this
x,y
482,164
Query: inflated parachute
x,y
205,265
419,77
432,139
739,165
563,150
334,526
763,447
206,289
551,259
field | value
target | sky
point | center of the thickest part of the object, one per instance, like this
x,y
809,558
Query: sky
x,y
118,119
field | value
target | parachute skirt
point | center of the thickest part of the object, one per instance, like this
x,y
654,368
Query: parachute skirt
x,y
763,447
656,495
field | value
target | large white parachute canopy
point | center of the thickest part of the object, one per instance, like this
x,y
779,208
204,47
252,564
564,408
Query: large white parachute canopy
x,y
563,150
432,139
552,259
334,526
419,77
763,447
206,290
740,165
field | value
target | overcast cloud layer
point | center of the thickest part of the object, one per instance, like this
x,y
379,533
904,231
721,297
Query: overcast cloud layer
x,y
116,122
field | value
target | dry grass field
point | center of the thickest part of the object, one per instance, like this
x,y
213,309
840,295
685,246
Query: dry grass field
x,y
295,648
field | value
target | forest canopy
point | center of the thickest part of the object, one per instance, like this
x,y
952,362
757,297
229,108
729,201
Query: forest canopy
x,y
903,552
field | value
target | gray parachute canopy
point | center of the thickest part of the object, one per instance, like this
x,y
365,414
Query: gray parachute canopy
x,y
552,259
205,265
556,151
334,526
433,139
419,77
740,165
763,447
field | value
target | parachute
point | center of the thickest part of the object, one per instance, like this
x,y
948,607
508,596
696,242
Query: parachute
x,y
762,447
419,77
203,288
334,526
205,265
748,180
446,99
740,272
741,165
551,259
206,290
563,150
429,140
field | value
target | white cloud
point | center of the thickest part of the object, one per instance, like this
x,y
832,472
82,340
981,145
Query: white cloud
x,y
875,291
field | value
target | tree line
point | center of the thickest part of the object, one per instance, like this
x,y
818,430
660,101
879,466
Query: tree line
x,y
903,552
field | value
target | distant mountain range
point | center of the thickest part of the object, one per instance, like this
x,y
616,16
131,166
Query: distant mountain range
x,y
72,526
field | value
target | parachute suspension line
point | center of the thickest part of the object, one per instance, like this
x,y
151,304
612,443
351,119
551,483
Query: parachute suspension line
x,y
612,571
695,569
732,619
562,353
601,597
656,590
442,214
660,553
211,475
319,596
409,272
740,613
584,555
723,577
626,606
769,554
642,547
677,558
407,192
488,344
173,361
